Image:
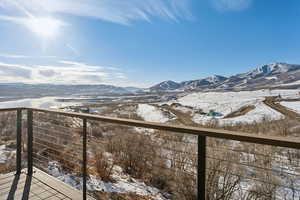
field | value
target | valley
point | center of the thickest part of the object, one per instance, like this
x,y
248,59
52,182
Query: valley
x,y
201,108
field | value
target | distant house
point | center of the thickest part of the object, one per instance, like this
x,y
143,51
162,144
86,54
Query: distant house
x,y
213,114
80,109
84,110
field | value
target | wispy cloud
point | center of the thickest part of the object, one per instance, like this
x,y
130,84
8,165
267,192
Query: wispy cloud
x,y
232,5
14,71
90,67
65,72
15,56
116,11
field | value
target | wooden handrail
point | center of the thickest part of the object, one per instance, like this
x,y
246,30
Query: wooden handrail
x,y
202,134
289,142
11,109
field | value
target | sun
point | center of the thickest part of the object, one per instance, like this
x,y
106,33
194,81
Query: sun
x,y
44,27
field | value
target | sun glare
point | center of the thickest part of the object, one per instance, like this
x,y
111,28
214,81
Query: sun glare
x,y
44,27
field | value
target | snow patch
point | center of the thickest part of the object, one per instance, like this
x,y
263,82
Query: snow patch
x,y
271,78
295,105
151,113
124,183
292,83
260,113
6,154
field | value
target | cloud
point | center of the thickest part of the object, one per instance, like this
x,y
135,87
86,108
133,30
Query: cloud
x,y
13,56
232,5
90,67
48,73
65,72
116,11
13,70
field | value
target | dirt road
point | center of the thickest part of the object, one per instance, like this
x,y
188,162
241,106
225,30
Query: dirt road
x,y
271,102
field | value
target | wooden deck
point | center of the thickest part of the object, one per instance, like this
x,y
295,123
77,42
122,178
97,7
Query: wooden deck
x,y
36,187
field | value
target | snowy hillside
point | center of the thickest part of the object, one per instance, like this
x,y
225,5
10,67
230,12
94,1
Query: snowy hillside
x,y
165,86
151,113
224,103
295,106
202,83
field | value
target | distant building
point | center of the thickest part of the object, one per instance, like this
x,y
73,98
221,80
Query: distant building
x,y
84,110
214,114
79,109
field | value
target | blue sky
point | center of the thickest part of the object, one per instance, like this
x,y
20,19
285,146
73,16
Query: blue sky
x,y
140,43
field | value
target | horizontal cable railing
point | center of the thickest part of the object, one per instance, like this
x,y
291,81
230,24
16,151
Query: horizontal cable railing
x,y
170,161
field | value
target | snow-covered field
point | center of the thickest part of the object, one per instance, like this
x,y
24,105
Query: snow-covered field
x,y
225,103
295,106
293,83
151,113
260,112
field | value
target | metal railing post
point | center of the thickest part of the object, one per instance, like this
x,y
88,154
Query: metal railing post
x,y
84,158
29,141
201,171
19,142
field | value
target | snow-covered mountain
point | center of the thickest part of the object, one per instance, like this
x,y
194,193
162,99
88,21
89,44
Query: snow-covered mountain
x,y
270,75
188,85
270,69
203,83
165,86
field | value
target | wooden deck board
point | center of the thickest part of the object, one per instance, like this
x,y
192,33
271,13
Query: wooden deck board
x,y
42,186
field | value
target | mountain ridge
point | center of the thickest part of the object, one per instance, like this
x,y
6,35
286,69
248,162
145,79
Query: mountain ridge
x,y
269,75
23,89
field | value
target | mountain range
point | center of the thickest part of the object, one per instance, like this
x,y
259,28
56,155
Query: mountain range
x,y
266,76
40,90
275,75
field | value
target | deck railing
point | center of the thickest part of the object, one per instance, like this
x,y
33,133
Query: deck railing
x,y
44,127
